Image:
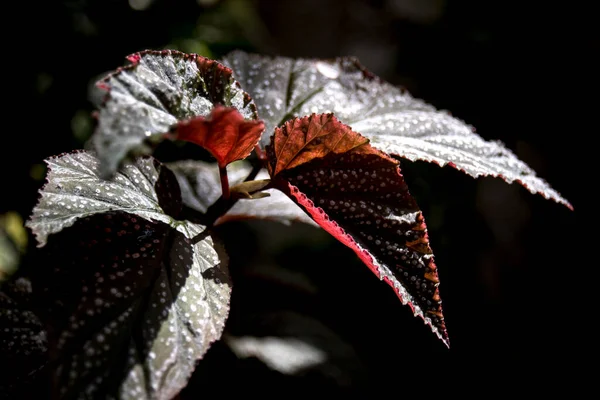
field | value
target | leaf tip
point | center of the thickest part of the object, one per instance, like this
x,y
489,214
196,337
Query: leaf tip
x,y
134,58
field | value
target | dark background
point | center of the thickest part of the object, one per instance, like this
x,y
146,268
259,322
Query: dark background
x,y
516,269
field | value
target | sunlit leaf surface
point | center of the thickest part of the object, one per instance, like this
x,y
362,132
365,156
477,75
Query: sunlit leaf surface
x,y
393,120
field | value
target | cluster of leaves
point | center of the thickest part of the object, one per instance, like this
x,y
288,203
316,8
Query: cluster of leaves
x,y
135,286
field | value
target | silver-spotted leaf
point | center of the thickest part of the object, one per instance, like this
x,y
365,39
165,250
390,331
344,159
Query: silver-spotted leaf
x,y
201,188
357,194
154,93
393,120
133,297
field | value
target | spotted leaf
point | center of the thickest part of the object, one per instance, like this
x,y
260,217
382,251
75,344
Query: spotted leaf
x,y
357,193
225,134
132,297
393,120
157,91
200,188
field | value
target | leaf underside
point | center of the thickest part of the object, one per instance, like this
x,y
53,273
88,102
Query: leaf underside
x,y
200,188
392,119
158,90
225,134
357,194
139,296
277,207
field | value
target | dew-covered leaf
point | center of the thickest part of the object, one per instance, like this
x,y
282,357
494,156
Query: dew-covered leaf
x,y
357,193
133,297
201,188
158,90
23,344
225,134
393,120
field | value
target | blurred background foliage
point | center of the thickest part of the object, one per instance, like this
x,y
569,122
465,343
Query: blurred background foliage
x,y
508,259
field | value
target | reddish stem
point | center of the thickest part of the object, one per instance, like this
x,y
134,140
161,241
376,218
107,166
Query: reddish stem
x,y
224,182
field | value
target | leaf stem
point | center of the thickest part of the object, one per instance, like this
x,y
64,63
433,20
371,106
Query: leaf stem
x,y
224,182
223,204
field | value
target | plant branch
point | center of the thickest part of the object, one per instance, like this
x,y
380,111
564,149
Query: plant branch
x,y
225,202
224,182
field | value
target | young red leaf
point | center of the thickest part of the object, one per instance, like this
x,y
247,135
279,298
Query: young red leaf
x,y
357,193
225,134
300,142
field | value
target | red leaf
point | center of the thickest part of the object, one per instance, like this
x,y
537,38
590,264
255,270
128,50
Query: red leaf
x,y
299,141
225,133
357,193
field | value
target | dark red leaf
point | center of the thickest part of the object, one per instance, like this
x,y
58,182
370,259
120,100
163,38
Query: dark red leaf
x,y
357,194
225,133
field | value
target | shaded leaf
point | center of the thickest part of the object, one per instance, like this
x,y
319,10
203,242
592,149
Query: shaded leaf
x,y
286,355
225,134
294,344
139,296
392,119
158,90
357,194
23,342
201,188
